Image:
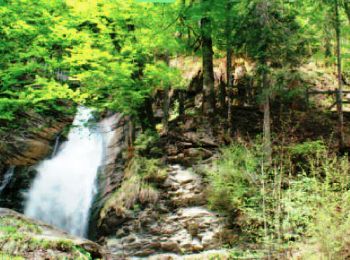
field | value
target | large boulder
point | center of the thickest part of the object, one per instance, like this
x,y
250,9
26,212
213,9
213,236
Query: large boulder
x,y
23,237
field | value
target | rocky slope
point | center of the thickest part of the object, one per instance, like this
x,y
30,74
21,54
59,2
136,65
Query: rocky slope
x,y
179,222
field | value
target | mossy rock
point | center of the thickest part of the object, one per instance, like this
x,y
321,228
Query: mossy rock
x,y
23,238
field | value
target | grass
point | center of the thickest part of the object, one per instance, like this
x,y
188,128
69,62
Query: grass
x,y
138,188
20,238
284,208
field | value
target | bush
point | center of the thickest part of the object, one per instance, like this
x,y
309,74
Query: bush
x,y
232,179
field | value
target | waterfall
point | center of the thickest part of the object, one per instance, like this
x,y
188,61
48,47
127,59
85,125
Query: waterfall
x,y
56,146
7,178
64,188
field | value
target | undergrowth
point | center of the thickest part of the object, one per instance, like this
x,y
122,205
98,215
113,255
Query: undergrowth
x,y
142,177
302,199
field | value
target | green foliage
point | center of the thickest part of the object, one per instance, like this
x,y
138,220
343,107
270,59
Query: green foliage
x,y
232,179
139,187
146,143
160,74
19,236
278,210
310,148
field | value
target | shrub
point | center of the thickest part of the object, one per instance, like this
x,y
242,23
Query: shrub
x,y
138,187
233,181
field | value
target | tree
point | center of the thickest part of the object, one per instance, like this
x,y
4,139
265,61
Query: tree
x,y
270,37
337,27
207,59
229,52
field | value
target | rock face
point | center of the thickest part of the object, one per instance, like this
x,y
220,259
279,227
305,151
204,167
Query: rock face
x,y
189,141
178,224
22,149
33,142
32,239
112,169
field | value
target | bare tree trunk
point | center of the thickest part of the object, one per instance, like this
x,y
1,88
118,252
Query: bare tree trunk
x,y
229,75
222,98
267,122
181,96
207,59
166,103
130,138
146,114
340,83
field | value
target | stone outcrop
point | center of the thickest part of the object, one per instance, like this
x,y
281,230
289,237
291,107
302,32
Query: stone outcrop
x,y
178,224
32,141
36,240
189,141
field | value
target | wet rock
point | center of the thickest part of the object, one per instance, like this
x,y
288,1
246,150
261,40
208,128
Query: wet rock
x,y
170,247
110,178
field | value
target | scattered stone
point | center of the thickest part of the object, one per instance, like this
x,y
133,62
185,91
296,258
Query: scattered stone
x,y
179,224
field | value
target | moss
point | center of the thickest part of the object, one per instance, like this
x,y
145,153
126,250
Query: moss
x,y
139,187
19,237
10,225
4,256
127,197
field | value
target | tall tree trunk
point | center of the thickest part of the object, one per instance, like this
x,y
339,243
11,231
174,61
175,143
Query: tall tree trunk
x,y
267,121
166,102
146,115
207,59
222,98
181,95
340,83
130,137
229,75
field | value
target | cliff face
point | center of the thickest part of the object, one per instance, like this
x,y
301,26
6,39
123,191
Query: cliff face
x,y
32,140
22,148
112,169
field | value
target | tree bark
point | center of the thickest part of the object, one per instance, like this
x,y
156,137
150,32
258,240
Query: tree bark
x,y
267,122
207,59
181,96
146,115
340,83
166,104
130,138
229,75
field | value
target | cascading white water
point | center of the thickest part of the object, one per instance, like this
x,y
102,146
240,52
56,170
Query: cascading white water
x,y
64,188
7,178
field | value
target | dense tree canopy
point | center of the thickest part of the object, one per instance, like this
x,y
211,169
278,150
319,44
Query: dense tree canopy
x,y
112,54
